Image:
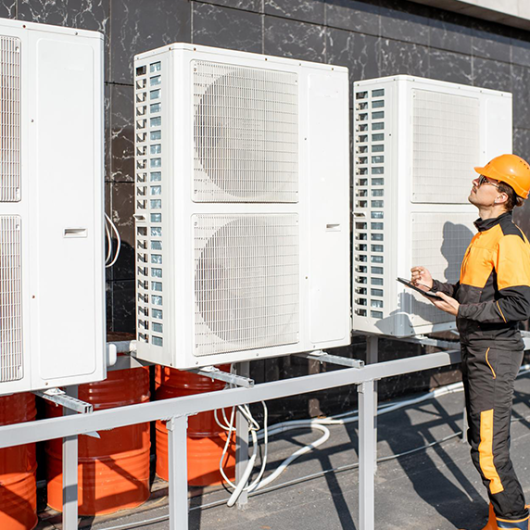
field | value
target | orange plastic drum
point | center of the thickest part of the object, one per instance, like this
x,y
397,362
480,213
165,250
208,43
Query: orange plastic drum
x,y
18,485
206,439
113,471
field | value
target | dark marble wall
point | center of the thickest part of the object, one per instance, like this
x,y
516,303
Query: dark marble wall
x,y
372,38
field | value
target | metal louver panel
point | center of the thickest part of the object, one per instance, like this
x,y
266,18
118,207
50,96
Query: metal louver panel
x,y
246,282
10,299
445,146
245,134
9,119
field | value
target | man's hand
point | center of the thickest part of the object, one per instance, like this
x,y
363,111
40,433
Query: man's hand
x,y
447,304
421,278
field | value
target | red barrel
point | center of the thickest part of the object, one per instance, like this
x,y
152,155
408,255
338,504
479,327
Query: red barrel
x,y
113,471
206,439
18,484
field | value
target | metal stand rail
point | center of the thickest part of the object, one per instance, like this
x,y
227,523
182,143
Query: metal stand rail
x,y
176,411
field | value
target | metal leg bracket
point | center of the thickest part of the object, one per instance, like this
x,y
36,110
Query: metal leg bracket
x,y
367,448
56,395
324,357
215,373
428,341
178,473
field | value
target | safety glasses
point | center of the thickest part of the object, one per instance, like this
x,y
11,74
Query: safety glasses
x,y
484,180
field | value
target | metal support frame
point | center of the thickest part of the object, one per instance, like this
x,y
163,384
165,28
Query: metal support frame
x,y
242,444
367,454
324,357
372,357
70,479
72,425
177,428
422,339
215,373
429,341
66,400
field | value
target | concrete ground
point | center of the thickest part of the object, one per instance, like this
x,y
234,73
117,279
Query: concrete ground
x,y
434,488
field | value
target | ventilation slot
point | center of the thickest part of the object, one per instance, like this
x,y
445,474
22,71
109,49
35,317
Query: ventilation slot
x,y
369,204
9,119
246,282
149,188
10,300
245,134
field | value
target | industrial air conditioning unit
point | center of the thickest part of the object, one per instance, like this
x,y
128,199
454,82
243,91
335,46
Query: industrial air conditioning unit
x,y
416,142
52,311
242,206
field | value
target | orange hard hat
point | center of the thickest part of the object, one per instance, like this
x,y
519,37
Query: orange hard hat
x,y
510,169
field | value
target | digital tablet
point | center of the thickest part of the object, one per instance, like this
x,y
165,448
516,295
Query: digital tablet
x,y
428,294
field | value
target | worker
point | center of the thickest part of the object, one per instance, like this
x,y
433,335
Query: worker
x,y
490,300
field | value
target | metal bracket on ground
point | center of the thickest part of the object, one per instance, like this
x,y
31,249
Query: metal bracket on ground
x,y
419,339
56,395
215,373
324,357
428,341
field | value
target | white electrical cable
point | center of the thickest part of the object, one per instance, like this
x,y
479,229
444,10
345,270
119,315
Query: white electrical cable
x,y
253,486
246,474
239,488
118,242
456,387
293,482
302,451
340,419
226,446
222,425
109,241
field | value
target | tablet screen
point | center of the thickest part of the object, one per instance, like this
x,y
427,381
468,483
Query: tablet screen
x,y
428,294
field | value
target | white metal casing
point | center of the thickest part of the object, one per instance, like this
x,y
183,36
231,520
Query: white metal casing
x,y
416,142
249,157
52,321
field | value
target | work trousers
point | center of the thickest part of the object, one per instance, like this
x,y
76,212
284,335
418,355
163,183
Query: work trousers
x,y
488,376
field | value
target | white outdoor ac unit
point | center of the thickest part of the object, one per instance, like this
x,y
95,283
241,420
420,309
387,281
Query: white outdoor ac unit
x,y
52,311
416,142
242,216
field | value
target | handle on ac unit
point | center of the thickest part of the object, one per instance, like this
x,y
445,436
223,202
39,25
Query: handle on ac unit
x,y
75,232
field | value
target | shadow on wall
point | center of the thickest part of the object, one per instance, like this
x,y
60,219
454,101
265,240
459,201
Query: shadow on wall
x,y
455,239
454,254
120,293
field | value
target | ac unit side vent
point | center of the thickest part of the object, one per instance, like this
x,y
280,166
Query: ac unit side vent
x,y
11,362
245,132
149,186
369,204
9,119
246,282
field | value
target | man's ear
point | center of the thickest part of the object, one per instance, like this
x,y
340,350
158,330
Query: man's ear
x,y
501,199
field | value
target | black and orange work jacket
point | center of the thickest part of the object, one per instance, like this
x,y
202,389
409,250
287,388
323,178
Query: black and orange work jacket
x,y
494,286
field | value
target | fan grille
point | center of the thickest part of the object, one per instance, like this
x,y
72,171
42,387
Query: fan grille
x,y
10,300
446,146
245,134
9,119
246,282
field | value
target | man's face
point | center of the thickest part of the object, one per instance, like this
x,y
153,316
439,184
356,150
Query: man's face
x,y
484,191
